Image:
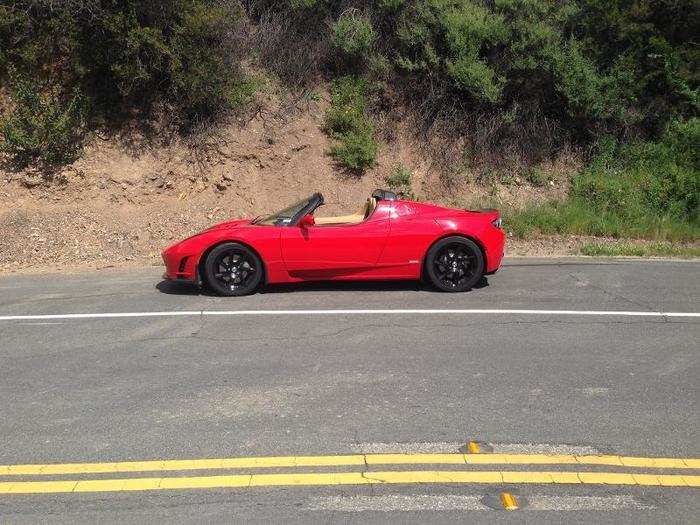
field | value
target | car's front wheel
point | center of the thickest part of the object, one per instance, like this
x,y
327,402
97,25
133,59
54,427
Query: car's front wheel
x,y
232,269
454,264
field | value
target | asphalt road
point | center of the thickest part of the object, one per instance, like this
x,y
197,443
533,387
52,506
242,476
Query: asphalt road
x,y
188,387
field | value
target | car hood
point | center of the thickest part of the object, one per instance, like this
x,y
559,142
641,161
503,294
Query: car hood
x,y
228,224
221,226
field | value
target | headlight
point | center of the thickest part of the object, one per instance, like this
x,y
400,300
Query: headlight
x,y
497,222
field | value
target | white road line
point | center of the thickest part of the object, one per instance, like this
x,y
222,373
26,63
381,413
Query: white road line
x,y
110,315
396,311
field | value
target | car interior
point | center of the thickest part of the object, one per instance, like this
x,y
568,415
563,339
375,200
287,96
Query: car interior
x,y
354,218
362,214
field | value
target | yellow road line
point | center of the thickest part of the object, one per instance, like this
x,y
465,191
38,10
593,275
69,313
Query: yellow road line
x,y
346,460
345,478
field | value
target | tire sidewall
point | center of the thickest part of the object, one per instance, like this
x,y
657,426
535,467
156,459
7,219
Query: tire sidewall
x,y
435,248
214,285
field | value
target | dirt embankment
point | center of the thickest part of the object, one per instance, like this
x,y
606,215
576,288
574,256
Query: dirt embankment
x,y
125,200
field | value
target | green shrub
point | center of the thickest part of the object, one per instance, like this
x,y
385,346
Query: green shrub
x,y
241,93
450,39
348,124
400,177
356,151
643,189
126,55
400,181
352,34
43,127
174,50
390,5
535,74
303,4
538,177
646,178
588,65
202,83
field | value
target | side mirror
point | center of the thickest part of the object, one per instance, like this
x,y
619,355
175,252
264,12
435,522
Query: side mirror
x,y
306,221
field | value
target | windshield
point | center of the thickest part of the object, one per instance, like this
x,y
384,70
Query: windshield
x,y
283,217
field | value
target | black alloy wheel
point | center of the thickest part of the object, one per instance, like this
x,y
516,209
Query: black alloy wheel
x,y
454,264
233,269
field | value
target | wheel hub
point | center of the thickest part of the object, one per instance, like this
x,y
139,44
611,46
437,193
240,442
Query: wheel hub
x,y
234,269
454,265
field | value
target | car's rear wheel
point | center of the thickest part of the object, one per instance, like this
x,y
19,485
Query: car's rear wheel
x,y
454,264
233,269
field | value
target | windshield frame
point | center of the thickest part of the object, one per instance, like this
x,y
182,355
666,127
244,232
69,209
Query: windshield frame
x,y
291,215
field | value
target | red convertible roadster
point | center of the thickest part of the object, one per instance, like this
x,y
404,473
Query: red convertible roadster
x,y
387,238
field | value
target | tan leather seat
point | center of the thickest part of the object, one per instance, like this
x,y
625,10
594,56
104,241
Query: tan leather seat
x,y
355,218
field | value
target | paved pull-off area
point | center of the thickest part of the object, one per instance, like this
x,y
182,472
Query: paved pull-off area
x,y
560,389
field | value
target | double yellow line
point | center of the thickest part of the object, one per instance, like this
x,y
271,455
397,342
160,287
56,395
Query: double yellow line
x,y
681,478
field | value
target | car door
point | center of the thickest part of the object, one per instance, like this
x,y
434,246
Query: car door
x,y
319,251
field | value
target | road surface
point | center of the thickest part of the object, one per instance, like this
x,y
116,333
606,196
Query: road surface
x,y
554,387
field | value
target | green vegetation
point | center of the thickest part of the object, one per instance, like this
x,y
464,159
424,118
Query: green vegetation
x,y
43,127
400,177
587,67
574,216
77,64
642,189
348,123
538,177
504,78
640,250
352,35
400,181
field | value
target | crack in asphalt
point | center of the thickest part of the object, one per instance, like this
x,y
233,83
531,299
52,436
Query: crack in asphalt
x,y
364,470
371,479
197,331
197,334
609,293
68,298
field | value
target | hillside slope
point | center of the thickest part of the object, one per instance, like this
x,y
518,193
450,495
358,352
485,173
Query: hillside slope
x,y
125,200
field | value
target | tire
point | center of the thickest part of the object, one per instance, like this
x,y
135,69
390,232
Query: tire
x,y
232,269
454,264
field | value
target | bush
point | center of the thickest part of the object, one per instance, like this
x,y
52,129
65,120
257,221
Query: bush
x,y
240,94
588,66
452,40
521,76
356,151
400,177
646,178
538,177
352,35
202,82
644,189
126,55
347,123
43,126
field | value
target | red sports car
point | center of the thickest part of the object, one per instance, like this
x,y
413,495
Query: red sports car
x,y
387,238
